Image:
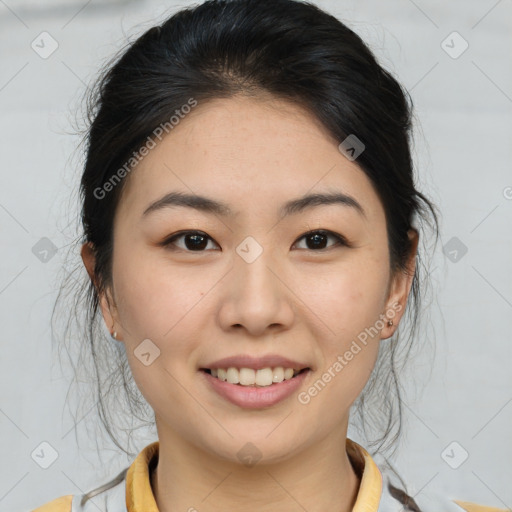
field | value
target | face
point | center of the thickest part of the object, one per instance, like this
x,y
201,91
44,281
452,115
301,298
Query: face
x,y
200,285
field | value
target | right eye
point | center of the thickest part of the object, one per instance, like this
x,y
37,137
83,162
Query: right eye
x,y
194,241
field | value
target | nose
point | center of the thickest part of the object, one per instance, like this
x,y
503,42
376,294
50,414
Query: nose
x,y
256,296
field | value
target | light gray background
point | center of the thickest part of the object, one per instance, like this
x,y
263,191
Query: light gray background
x,y
463,153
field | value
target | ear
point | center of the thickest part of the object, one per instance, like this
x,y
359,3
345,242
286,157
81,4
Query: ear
x,y
399,288
107,304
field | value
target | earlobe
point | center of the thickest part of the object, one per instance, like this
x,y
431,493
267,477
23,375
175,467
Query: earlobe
x,y
88,257
400,288
107,314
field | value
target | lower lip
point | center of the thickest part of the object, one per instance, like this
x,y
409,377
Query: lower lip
x,y
253,397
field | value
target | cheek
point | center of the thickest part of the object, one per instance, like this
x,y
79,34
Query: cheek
x,y
152,298
156,304
347,296
345,304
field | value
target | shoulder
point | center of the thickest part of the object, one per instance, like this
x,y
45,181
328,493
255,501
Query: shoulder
x,y
113,494
475,507
395,497
62,504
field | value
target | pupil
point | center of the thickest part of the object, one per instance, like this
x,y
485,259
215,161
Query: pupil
x,y
200,241
316,237
197,238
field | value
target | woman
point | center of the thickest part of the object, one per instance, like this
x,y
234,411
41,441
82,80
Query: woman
x,y
249,215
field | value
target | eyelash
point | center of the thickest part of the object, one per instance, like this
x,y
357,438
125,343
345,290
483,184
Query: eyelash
x,y
341,241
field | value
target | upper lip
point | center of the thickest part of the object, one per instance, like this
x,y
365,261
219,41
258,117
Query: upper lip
x,y
256,363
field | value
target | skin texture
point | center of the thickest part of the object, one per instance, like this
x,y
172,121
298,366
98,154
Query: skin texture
x,y
296,300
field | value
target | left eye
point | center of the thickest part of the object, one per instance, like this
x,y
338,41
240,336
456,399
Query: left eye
x,y
197,240
319,236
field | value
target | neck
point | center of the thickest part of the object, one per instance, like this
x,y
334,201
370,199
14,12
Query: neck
x,y
317,479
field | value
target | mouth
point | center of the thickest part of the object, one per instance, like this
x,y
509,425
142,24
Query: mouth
x,y
248,377
255,388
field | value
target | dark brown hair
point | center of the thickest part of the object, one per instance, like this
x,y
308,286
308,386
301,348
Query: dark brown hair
x,y
291,50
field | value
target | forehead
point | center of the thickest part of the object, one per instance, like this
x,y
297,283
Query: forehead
x,y
247,152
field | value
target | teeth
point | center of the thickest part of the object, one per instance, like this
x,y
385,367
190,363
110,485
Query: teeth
x,y
249,377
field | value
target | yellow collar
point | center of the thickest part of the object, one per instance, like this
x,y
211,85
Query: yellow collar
x,y
139,495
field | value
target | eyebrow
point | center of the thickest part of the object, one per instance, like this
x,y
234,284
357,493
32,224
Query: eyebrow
x,y
294,206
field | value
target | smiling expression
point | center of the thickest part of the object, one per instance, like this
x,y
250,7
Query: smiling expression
x,y
219,252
